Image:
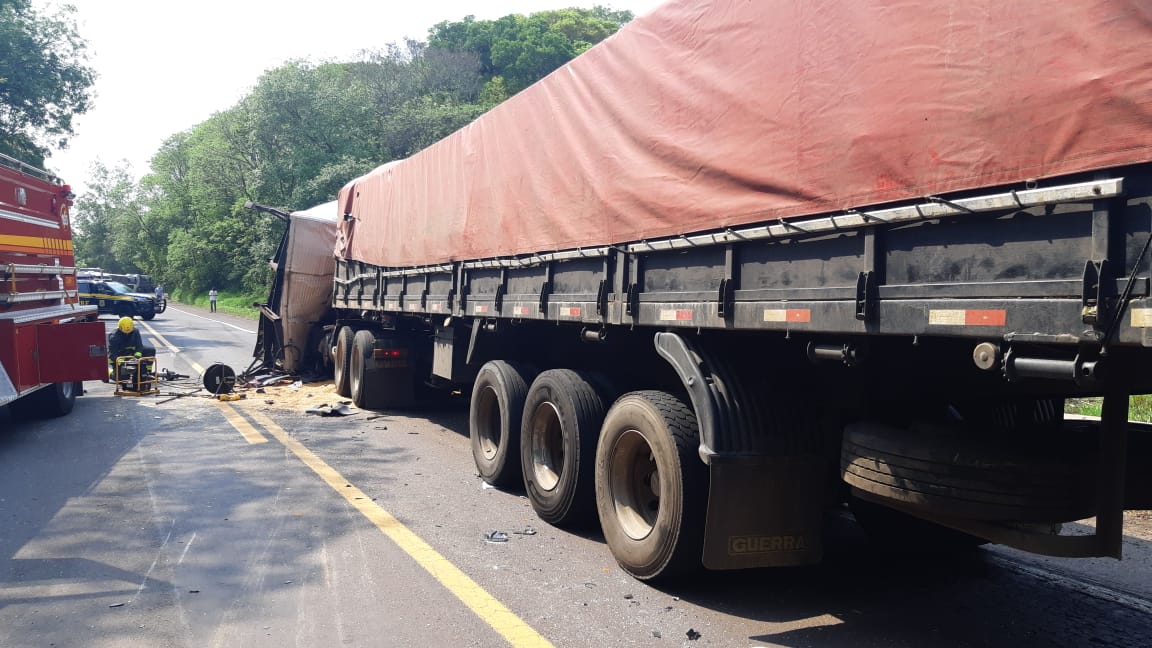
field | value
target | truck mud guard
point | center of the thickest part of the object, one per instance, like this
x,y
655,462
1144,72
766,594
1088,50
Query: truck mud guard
x,y
764,509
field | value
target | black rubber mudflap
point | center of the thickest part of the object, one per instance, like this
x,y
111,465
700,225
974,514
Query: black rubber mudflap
x,y
764,512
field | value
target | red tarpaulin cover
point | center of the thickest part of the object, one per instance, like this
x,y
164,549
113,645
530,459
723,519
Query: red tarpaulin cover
x,y
709,114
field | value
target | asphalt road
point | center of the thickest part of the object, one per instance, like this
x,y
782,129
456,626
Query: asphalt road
x,y
177,520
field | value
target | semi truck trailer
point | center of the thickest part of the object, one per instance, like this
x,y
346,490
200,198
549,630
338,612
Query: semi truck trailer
x,y
744,264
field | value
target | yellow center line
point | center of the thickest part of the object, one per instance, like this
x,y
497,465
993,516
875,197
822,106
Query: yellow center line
x,y
491,611
246,430
155,334
250,434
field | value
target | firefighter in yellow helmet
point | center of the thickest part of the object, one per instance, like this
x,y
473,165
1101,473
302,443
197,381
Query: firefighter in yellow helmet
x,y
125,340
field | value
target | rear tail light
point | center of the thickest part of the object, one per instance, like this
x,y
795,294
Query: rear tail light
x,y
390,358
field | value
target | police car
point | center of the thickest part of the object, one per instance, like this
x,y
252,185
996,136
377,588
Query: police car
x,y
114,298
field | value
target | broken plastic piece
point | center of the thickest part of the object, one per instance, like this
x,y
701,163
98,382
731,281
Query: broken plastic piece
x,y
326,410
495,537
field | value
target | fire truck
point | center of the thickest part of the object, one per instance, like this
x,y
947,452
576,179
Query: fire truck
x,y
49,342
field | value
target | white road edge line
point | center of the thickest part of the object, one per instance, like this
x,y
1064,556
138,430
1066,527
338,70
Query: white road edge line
x,y
238,328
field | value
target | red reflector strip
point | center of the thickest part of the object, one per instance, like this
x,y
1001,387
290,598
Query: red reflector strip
x,y
521,310
986,318
570,312
413,307
437,307
480,308
964,317
678,315
383,354
392,305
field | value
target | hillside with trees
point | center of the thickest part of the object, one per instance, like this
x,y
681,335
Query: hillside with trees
x,y
304,130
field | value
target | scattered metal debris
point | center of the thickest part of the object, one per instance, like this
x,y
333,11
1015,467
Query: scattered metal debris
x,y
495,537
530,531
328,410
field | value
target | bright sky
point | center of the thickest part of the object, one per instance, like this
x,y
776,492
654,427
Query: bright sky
x,y
166,66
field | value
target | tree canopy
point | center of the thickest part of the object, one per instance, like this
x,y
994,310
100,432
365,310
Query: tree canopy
x,y
521,50
44,79
304,131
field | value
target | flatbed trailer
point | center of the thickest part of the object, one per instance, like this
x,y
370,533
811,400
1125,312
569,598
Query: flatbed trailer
x,y
986,307
678,316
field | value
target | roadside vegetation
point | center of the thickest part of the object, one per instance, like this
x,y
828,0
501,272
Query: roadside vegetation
x,y
232,303
1139,407
45,79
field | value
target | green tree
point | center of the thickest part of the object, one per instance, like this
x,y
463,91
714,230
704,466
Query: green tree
x,y
44,79
524,49
105,217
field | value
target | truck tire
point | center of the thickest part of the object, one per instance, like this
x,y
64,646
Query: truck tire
x,y
342,355
53,401
899,533
364,388
148,317
651,487
494,418
561,422
955,471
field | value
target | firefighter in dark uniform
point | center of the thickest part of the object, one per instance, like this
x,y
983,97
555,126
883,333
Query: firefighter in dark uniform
x,y
126,341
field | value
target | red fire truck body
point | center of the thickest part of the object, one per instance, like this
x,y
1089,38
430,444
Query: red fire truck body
x,y
49,342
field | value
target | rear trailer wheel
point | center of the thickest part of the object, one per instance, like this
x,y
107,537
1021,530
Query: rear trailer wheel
x,y
958,471
342,354
149,316
561,422
494,418
363,386
651,487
